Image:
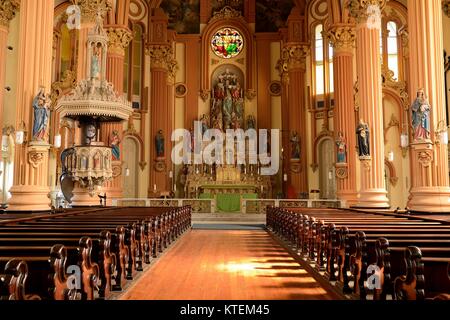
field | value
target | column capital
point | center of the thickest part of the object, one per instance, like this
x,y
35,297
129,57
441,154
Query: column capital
x,y
118,39
293,56
90,8
342,37
8,10
446,7
161,57
365,10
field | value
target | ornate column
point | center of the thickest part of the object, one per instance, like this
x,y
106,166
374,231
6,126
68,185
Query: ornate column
x,y
31,186
342,37
8,9
430,190
367,13
89,10
292,67
119,39
162,68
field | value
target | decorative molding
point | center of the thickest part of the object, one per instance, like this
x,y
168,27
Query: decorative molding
x,y
425,158
67,82
250,94
91,8
225,14
161,56
446,7
342,37
341,171
293,56
118,39
180,90
275,88
160,165
361,9
393,123
204,94
389,81
393,178
8,10
356,95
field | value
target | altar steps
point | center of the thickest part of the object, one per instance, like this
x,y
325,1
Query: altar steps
x,y
228,218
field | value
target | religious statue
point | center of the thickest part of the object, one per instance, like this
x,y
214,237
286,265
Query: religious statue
x,y
341,148
97,159
363,139
251,122
295,141
227,111
421,117
41,105
114,141
159,142
205,123
95,61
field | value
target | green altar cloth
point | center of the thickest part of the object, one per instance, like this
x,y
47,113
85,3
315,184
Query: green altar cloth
x,y
206,196
232,202
229,202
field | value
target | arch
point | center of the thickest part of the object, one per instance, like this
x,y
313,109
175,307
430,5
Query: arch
x,y
327,173
131,163
393,178
324,135
141,146
240,25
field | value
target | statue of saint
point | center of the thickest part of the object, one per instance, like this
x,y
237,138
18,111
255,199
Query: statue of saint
x,y
97,158
227,110
295,142
114,141
363,139
95,62
159,142
421,117
205,123
41,105
341,148
251,122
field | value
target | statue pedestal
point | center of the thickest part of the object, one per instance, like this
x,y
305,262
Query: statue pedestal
x,y
424,197
32,191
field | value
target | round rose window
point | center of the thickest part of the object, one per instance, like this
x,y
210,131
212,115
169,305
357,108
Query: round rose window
x,y
227,43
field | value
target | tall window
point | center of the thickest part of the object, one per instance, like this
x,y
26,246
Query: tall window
x,y
132,82
390,47
323,69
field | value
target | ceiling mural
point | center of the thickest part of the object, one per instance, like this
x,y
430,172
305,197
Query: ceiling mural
x,y
184,15
272,14
217,5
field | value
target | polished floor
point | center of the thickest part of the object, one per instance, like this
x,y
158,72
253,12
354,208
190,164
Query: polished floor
x,y
226,265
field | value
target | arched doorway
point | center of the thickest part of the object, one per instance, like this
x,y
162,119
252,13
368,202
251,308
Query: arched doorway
x,y
327,174
130,168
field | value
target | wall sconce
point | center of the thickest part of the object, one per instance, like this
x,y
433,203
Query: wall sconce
x,y
391,156
127,172
6,133
404,140
57,141
285,178
21,134
442,133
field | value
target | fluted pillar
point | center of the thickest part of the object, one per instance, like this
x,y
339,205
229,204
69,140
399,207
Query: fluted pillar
x,y
8,10
430,190
373,192
119,39
293,69
163,67
342,37
31,187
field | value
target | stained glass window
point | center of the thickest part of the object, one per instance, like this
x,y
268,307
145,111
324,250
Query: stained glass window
x,y
227,43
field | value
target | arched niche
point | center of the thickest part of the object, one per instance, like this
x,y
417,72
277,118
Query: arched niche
x,y
240,25
130,169
327,173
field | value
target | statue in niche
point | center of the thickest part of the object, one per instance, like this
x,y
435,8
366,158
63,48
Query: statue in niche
x,y
159,142
295,143
341,148
363,139
95,61
227,110
84,163
41,107
97,159
205,123
114,141
251,122
421,117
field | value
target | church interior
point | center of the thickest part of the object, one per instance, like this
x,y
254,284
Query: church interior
x,y
276,149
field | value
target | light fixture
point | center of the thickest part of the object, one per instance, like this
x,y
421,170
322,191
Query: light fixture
x,y
57,141
4,142
285,177
391,156
404,140
442,133
21,134
127,172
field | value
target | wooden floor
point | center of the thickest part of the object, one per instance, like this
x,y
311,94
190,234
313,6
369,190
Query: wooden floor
x,y
226,265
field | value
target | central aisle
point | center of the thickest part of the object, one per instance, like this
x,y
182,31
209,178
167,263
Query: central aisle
x,y
226,265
